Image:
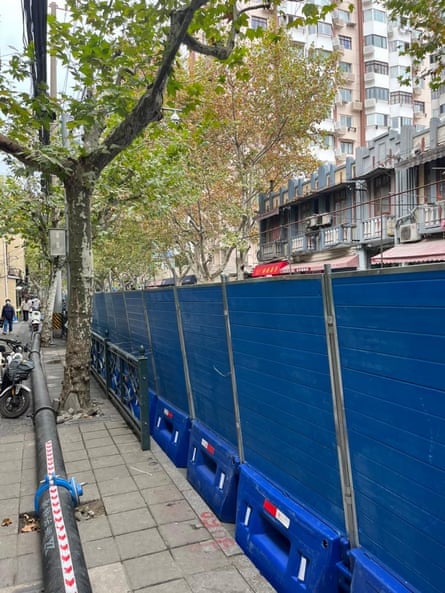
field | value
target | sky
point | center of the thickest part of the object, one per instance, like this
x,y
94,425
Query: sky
x,y
11,35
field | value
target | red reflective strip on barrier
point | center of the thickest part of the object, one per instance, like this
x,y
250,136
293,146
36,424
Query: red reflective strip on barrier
x,y
276,513
168,413
207,446
63,544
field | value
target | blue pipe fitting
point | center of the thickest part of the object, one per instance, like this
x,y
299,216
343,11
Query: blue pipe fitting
x,y
73,487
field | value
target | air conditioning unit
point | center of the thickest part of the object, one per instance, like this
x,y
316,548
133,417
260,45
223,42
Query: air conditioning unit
x,y
370,103
337,22
326,220
314,221
357,106
409,233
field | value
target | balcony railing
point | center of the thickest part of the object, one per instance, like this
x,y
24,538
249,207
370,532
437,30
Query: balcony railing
x,y
272,250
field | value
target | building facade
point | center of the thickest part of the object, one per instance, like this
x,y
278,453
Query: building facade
x,y
370,48
386,206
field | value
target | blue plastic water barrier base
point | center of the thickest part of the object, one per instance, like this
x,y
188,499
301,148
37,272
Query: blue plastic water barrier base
x,y
292,548
212,469
152,399
171,431
369,577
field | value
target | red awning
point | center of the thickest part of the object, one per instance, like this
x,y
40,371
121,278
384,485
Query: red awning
x,y
346,262
271,269
411,253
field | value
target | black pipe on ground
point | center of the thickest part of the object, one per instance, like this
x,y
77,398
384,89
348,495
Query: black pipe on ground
x,y
63,562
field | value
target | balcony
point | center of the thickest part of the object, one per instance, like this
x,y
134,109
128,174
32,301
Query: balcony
x,y
378,228
272,250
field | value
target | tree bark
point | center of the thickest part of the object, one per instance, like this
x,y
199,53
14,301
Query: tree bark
x,y
76,382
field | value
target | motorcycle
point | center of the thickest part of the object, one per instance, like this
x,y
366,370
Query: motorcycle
x,y
14,395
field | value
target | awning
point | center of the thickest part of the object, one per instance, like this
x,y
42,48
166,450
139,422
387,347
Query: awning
x,y
411,253
270,269
343,263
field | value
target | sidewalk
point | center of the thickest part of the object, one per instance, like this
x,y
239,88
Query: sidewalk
x,y
148,531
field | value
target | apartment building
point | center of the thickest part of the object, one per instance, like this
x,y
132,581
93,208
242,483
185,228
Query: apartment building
x,y
384,207
370,47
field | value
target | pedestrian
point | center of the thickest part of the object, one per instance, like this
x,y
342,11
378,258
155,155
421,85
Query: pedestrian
x,y
26,307
8,314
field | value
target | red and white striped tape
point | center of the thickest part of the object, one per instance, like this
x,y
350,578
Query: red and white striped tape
x,y
69,577
208,447
273,510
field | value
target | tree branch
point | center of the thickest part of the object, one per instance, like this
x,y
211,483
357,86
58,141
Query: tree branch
x,y
18,151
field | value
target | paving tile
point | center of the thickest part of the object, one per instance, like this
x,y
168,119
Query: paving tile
x,y
100,552
224,579
105,441
11,491
8,541
8,571
110,578
28,543
29,569
140,543
77,466
129,521
96,528
199,557
252,575
157,478
75,455
107,461
165,493
127,501
110,473
175,510
178,586
102,451
91,427
152,569
180,534
117,486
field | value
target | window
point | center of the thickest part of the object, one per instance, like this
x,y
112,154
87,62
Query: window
x,y
405,121
345,42
343,15
376,41
346,121
399,46
398,71
346,95
419,106
377,119
377,92
345,67
257,22
377,67
373,14
328,142
382,201
347,147
340,207
401,98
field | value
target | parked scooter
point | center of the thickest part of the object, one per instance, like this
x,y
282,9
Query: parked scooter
x,y
35,319
15,368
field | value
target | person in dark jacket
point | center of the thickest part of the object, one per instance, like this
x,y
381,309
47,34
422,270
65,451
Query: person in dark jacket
x,y
8,314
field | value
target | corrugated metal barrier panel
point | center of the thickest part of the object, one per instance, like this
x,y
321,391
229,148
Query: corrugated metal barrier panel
x,y
161,314
391,330
282,372
137,327
206,346
100,321
119,332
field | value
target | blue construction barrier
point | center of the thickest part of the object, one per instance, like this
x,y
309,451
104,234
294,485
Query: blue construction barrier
x,y
171,430
291,547
212,469
369,577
